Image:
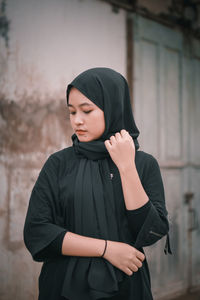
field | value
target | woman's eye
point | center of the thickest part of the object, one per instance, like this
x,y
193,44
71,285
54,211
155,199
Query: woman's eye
x,y
87,111
72,112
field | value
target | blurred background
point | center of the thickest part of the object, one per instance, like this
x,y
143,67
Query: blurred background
x,y
156,46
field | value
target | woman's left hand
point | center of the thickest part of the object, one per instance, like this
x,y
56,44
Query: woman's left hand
x,y
121,149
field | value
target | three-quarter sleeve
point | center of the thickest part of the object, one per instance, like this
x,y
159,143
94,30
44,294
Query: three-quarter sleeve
x,y
155,225
54,248
137,217
43,222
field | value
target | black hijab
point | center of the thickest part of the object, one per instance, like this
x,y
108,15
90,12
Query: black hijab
x,y
94,204
109,90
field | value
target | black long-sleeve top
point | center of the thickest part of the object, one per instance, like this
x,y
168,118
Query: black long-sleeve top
x,y
136,219
50,216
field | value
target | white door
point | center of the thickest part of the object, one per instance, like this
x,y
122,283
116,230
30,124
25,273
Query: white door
x,y
166,91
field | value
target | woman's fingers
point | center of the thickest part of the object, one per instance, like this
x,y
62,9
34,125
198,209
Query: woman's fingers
x,y
118,136
128,271
121,149
137,263
134,267
124,256
140,255
112,140
123,132
131,269
107,144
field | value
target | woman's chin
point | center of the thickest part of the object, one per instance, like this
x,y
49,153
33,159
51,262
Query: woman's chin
x,y
84,138
87,137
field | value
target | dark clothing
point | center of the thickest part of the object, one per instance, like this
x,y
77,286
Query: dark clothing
x,y
76,192
136,224
51,214
136,218
108,90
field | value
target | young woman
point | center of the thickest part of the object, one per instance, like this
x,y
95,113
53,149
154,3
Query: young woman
x,y
97,203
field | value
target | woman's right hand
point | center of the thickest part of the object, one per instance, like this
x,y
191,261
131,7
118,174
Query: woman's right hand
x,y
123,256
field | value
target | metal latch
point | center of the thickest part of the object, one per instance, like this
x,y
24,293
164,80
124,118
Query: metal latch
x,y
193,217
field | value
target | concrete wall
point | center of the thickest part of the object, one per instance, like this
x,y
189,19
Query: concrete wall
x,y
50,42
46,45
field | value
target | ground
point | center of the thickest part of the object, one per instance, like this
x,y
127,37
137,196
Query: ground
x,y
192,296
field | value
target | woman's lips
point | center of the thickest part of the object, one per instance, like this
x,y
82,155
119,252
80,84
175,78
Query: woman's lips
x,y
80,132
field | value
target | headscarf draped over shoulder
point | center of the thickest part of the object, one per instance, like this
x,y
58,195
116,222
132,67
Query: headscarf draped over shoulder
x,y
94,203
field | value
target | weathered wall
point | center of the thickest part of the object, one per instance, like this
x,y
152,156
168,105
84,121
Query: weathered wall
x,y
28,135
50,42
184,13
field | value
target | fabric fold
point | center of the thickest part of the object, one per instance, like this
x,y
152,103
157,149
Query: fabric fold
x,y
94,204
75,192
95,277
94,216
43,223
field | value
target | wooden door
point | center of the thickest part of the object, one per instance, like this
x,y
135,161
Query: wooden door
x,y
167,111
194,159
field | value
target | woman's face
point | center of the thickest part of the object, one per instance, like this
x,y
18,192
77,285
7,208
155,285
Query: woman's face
x,y
87,119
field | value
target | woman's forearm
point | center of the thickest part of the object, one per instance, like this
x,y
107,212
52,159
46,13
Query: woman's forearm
x,y
79,245
134,193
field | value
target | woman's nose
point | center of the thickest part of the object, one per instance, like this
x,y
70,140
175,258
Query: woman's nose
x,y
78,119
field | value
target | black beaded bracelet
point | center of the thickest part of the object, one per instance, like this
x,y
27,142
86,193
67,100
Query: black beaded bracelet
x,y
104,248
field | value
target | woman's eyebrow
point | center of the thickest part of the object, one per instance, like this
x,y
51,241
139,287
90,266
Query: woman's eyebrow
x,y
80,105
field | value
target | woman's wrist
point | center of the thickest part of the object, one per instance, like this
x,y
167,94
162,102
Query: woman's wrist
x,y
131,167
101,245
78,245
104,251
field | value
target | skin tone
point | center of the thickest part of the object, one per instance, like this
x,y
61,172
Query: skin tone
x,y
122,151
86,116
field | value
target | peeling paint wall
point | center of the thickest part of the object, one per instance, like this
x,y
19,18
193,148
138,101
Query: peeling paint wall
x,y
33,127
28,134
50,42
